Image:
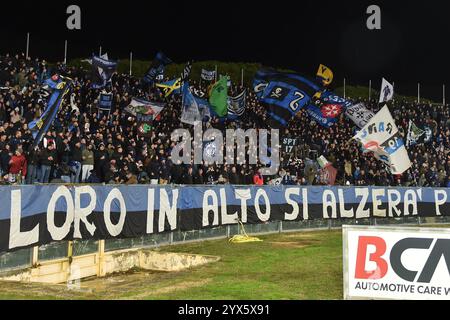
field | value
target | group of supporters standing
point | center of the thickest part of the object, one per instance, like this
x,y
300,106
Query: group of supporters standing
x,y
84,146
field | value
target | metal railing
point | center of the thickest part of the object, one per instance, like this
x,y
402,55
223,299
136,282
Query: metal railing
x,y
26,258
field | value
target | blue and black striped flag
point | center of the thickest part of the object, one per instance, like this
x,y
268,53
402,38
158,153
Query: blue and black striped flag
x,y
283,93
39,127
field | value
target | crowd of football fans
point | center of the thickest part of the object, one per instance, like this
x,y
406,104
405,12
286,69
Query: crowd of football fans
x,y
86,145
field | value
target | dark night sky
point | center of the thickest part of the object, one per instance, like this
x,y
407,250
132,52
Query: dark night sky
x,y
412,45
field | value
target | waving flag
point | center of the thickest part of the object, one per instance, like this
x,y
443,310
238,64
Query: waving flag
x,y
105,101
141,106
40,126
284,94
156,68
417,135
236,105
170,87
359,114
102,71
218,97
194,108
327,108
145,112
387,91
325,75
381,136
326,116
53,82
414,133
186,71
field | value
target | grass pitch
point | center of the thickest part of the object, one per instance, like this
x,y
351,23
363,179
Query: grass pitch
x,y
306,265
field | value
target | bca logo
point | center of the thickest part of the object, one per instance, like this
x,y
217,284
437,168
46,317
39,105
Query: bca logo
x,y
441,248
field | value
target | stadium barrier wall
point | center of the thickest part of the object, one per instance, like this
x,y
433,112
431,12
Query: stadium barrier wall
x,y
212,212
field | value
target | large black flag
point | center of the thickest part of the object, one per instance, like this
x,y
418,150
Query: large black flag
x,y
156,68
102,71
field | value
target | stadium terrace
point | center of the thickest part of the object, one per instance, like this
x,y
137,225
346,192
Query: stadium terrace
x,y
115,129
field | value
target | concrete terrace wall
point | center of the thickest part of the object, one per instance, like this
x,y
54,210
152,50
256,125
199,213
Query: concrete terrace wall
x,y
105,263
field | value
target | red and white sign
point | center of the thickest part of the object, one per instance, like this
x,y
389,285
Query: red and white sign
x,y
396,263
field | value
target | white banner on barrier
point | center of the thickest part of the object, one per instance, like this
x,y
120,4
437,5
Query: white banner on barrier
x,y
396,263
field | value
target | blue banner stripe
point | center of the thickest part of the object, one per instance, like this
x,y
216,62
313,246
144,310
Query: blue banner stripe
x,y
35,199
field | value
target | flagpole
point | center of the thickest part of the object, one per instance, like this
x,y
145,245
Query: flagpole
x,y
344,88
242,77
443,94
408,134
131,63
65,52
418,93
215,73
393,95
28,44
370,88
100,51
